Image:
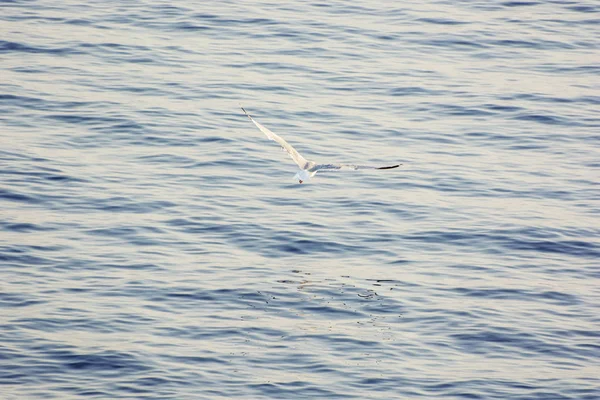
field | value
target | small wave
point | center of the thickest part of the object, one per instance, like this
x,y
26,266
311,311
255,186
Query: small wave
x,y
14,47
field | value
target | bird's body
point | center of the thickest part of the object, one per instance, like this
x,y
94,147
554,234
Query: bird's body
x,y
308,169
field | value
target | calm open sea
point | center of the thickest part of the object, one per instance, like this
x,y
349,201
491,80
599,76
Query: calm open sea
x,y
154,245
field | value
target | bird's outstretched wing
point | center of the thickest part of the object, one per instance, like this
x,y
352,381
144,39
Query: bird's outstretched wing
x,y
337,167
298,159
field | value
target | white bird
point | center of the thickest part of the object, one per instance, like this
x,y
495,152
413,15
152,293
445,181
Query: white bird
x,y
308,169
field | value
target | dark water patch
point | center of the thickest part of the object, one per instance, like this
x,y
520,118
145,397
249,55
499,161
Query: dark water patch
x,y
27,255
42,104
222,21
190,27
498,340
471,388
143,236
528,146
317,116
400,262
265,88
107,136
309,246
455,44
552,99
157,140
83,322
10,99
190,296
355,9
41,177
167,158
33,70
214,139
142,60
125,204
502,108
551,297
117,52
309,224
591,21
338,341
456,184
508,141
112,362
276,66
520,3
12,156
196,332
122,231
532,193
7,47
115,47
592,100
298,389
457,110
156,381
201,226
442,21
18,300
32,16
19,197
25,227
132,265
89,120
170,10
509,240
256,332
331,312
386,37
149,90
584,8
413,91
78,22
574,70
577,248
270,242
546,119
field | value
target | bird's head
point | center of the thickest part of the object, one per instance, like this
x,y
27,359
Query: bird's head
x,y
302,176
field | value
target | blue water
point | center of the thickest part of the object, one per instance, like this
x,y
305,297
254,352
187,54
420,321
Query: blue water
x,y
154,245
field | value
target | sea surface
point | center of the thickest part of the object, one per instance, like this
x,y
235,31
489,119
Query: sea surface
x,y
154,244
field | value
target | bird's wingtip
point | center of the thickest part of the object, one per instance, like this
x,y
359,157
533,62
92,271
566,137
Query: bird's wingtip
x,y
245,112
390,167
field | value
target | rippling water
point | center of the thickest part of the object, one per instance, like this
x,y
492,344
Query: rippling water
x,y
154,244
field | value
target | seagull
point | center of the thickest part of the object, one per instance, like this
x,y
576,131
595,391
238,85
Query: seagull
x,y
308,169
